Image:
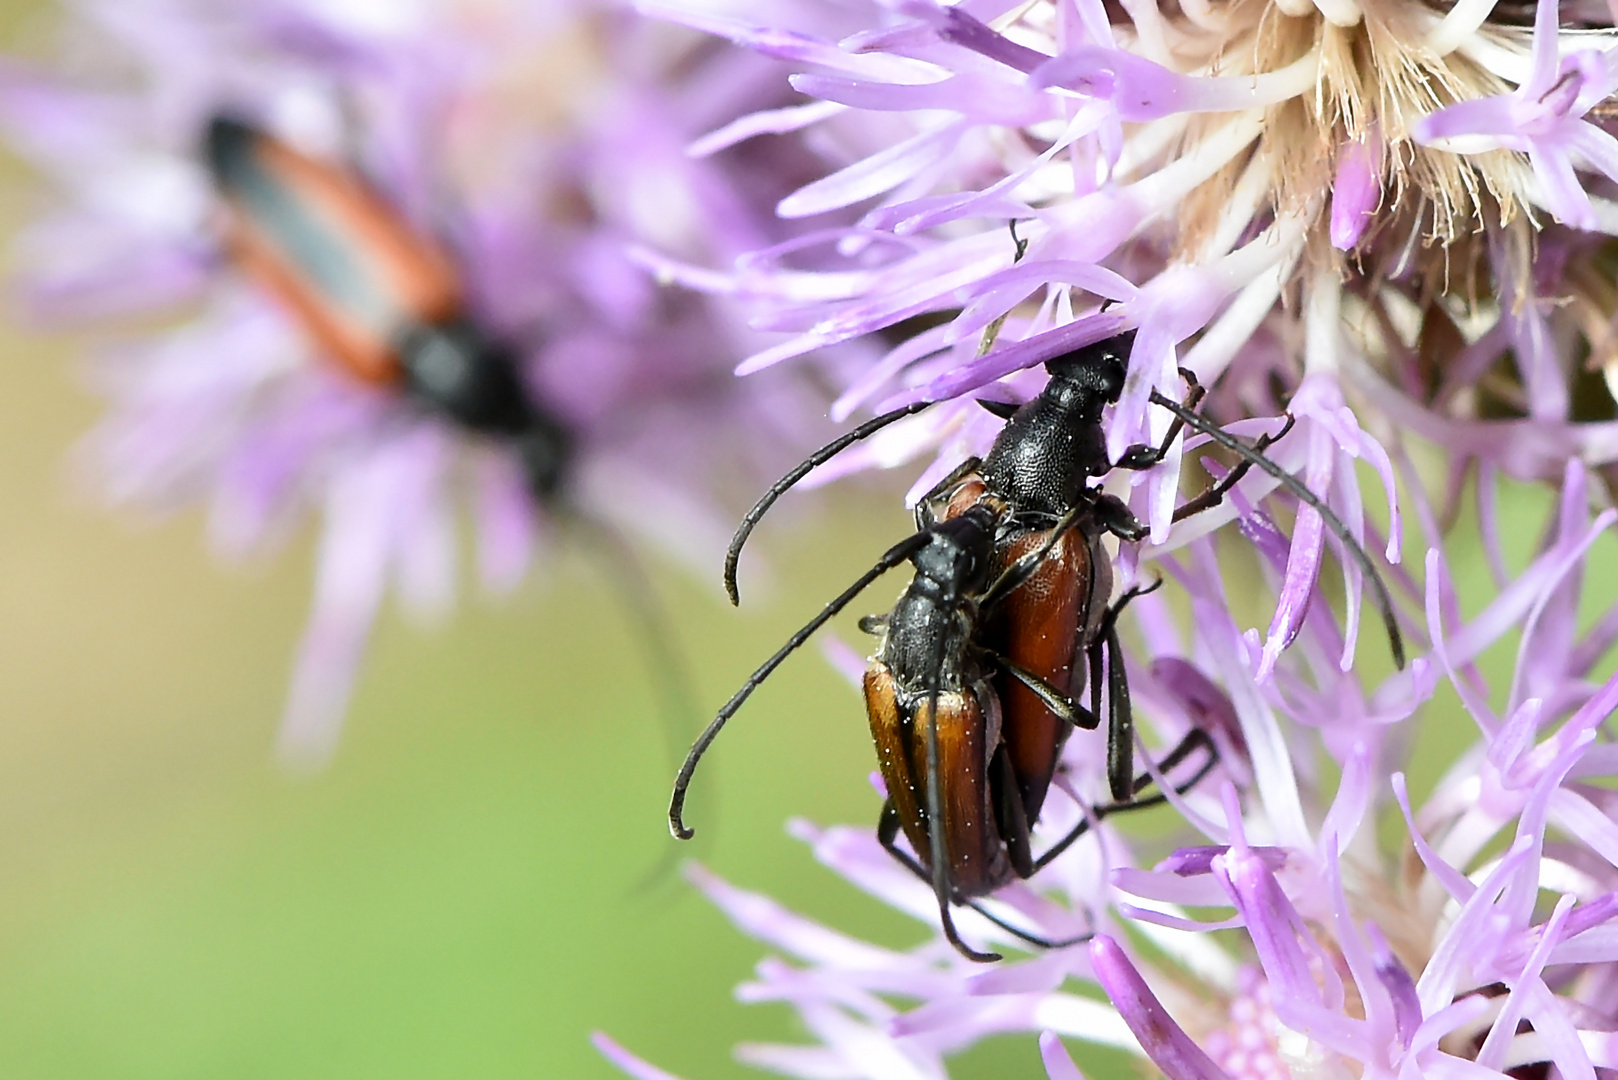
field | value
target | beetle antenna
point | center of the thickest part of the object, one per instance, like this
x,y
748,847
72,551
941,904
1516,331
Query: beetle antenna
x,y
895,555
1384,602
799,471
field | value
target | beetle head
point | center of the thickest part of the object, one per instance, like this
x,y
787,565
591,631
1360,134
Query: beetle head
x,y
1098,369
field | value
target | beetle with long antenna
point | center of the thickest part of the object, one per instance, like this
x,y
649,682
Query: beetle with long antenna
x,y
969,694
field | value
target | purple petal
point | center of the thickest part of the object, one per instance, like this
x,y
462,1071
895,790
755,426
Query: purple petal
x,y
626,1061
1189,862
1273,924
1492,1053
1164,1041
873,175
1058,1063
1400,987
959,28
1357,189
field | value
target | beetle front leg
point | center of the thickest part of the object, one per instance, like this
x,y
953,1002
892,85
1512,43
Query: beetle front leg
x,y
1143,455
1113,515
1216,494
924,506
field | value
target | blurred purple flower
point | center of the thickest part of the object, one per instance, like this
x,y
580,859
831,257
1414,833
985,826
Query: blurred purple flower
x,y
1476,940
538,141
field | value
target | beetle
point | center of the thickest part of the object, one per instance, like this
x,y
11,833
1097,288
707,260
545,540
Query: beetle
x,y
379,296
968,695
385,302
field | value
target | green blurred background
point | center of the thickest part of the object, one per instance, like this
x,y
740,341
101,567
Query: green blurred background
x,y
457,894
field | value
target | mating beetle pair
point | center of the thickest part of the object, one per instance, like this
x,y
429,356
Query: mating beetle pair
x,y
969,694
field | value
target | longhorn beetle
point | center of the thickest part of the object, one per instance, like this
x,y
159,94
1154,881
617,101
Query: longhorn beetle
x,y
968,693
386,303
375,293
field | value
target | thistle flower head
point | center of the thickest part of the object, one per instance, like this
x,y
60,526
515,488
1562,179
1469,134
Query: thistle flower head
x,y
1374,216
533,146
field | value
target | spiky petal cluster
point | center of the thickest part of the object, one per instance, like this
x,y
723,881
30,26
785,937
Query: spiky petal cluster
x,y
536,142
1476,942
1374,216
1483,945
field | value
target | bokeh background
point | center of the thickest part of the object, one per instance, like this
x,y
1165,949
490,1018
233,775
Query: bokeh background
x,y
462,893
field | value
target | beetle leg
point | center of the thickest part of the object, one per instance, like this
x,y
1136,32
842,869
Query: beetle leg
x,y
887,834
1009,814
924,512
1216,494
1111,514
1060,705
1120,719
1120,713
1144,456
1026,564
1110,619
1093,658
873,624
1194,739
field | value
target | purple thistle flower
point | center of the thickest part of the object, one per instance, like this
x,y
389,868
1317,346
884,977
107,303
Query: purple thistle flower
x,y
1258,198
538,145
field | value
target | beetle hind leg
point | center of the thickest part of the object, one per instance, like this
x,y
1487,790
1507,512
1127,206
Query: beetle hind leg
x,y
1194,740
887,834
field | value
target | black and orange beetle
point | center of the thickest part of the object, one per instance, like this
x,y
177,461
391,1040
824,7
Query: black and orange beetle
x,y
387,304
969,695
375,293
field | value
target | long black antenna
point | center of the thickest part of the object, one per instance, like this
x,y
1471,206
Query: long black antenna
x,y
895,555
799,471
1384,602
